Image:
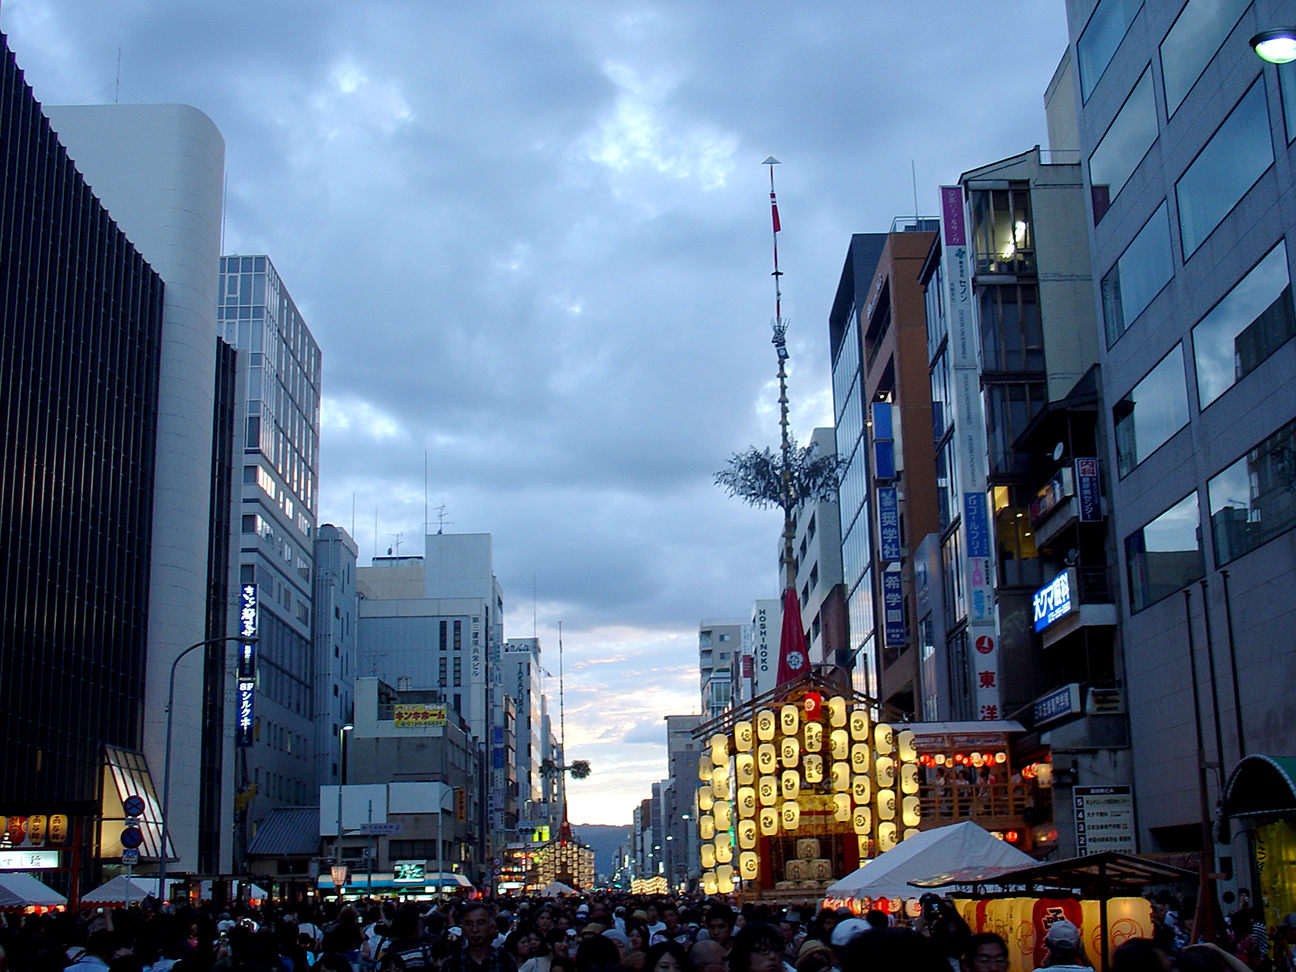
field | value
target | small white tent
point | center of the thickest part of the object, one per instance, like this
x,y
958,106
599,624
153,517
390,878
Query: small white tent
x,y
22,891
927,854
556,888
124,890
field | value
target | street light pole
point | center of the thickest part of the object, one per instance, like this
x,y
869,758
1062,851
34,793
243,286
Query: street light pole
x,y
342,758
166,763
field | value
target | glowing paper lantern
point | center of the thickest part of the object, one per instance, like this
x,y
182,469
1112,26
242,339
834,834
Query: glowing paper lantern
x,y
767,791
836,711
859,725
883,738
708,855
905,745
812,765
861,790
705,798
748,866
909,778
886,807
724,879
790,818
910,811
766,758
911,832
841,807
862,820
789,719
743,736
765,723
813,737
747,834
720,788
790,784
886,836
704,768
706,826
723,853
723,813
790,751
813,705
746,801
745,769
768,821
859,756
884,771
841,777
709,883
839,744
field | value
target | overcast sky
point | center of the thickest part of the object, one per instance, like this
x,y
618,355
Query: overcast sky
x,y
533,242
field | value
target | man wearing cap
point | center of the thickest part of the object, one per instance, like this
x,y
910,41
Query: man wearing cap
x,y
1063,943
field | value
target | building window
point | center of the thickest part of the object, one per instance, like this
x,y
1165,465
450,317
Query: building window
x,y
1011,337
1001,230
1100,39
1230,163
1254,500
1165,556
1197,34
458,636
458,672
1155,409
1010,407
442,669
1253,321
444,637
1142,271
955,599
1122,148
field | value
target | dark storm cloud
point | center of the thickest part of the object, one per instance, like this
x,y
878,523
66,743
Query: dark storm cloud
x,y
532,239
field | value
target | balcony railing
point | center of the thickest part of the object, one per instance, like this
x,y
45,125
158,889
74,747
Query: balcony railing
x,y
971,800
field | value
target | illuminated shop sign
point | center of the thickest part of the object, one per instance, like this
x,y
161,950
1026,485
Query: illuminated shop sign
x,y
1055,599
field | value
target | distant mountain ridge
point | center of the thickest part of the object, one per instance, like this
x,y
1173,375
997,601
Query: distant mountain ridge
x,y
605,840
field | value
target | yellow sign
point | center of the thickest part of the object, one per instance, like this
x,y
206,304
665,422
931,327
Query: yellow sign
x,y
419,715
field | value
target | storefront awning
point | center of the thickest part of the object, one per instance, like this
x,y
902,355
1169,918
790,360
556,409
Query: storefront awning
x,y
1093,876
1261,786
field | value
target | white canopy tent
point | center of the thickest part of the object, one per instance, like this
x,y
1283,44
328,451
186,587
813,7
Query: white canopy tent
x,y
19,890
124,890
927,854
556,888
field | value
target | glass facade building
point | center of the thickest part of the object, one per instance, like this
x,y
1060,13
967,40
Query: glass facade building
x,y
79,372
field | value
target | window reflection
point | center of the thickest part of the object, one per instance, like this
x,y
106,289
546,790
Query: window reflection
x,y
1122,148
1143,269
1165,556
1100,38
1197,34
1252,321
1155,409
1254,500
1236,156
1001,230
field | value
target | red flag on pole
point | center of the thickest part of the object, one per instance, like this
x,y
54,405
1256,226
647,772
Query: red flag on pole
x,y
774,209
793,660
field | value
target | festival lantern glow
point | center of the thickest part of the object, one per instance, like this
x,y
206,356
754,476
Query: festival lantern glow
x,y
745,769
743,737
765,725
746,801
705,798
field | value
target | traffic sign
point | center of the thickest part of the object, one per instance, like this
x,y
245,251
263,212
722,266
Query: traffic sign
x,y
132,837
133,806
375,829
130,856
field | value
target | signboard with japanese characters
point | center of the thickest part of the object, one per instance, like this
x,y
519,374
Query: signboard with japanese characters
x,y
1104,819
888,504
893,607
1088,490
418,715
1055,600
243,722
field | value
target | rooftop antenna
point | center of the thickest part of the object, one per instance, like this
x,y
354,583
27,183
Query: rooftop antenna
x,y
117,83
913,171
425,494
398,540
441,520
375,531
533,605
353,514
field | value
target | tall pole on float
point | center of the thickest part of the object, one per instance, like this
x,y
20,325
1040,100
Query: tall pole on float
x,y
780,324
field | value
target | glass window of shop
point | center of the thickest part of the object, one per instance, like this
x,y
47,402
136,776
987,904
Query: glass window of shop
x,y
1254,499
1139,275
1100,39
1011,336
1165,555
1122,148
1197,34
1001,230
1155,409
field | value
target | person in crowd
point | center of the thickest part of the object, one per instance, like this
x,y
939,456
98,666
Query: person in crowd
x,y
672,930
758,947
892,950
877,919
814,956
1065,953
986,952
407,943
667,956
478,953
719,925
708,956
597,954
99,948
1141,955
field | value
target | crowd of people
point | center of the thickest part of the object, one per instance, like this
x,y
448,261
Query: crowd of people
x,y
613,933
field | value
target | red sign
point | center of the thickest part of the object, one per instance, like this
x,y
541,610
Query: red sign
x,y
985,644
813,704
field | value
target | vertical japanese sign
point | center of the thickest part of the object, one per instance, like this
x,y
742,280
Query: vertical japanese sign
x,y
246,668
1088,490
893,607
888,505
976,523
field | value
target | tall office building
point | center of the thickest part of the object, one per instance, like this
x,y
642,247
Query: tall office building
x,y
520,674
80,365
720,650
882,400
679,792
817,546
159,170
335,621
279,484
1186,142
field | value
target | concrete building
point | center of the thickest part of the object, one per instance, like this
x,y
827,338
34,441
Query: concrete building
x,y
521,679
720,650
159,171
682,864
882,400
817,543
279,485
1186,142
335,622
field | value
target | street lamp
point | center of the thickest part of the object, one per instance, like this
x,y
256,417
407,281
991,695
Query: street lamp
x,y
166,764
342,754
1277,45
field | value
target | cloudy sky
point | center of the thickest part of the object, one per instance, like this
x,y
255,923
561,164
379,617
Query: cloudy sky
x,y
533,242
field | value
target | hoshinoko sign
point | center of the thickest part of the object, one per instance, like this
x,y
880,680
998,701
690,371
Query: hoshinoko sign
x,y
1056,599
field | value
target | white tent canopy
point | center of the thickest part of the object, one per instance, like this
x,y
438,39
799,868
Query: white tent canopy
x,y
555,888
23,891
123,889
927,854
